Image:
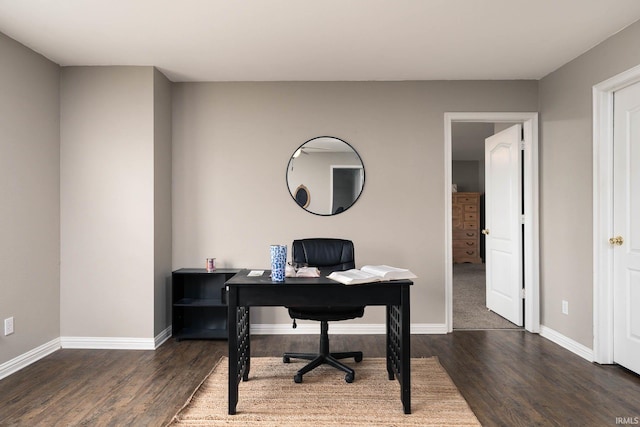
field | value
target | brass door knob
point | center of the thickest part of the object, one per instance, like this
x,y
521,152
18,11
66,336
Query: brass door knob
x,y
618,240
485,231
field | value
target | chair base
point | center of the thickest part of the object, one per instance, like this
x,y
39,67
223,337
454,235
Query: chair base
x,y
320,359
324,357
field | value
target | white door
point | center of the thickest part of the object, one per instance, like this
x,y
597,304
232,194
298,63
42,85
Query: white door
x,y
503,229
626,227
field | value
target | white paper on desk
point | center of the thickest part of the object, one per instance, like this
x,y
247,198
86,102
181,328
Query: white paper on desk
x,y
255,273
308,272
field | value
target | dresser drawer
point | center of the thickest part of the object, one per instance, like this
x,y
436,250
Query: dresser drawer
x,y
466,199
462,253
464,235
470,216
457,224
465,244
470,225
457,211
470,208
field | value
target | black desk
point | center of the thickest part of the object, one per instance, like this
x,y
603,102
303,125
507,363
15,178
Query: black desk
x,y
245,292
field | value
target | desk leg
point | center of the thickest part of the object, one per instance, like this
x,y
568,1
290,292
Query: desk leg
x,y
399,347
239,348
245,342
405,373
232,323
392,341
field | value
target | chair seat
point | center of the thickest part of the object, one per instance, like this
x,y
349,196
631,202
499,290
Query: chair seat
x,y
326,313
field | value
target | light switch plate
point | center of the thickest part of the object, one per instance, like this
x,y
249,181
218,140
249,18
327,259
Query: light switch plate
x,y
8,326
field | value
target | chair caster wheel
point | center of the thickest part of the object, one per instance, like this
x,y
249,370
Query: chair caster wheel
x,y
286,359
297,378
358,359
349,378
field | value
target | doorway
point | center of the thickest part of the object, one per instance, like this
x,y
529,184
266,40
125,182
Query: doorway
x,y
530,208
486,283
607,250
345,186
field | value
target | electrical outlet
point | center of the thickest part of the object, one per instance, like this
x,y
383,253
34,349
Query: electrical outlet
x,y
565,307
8,326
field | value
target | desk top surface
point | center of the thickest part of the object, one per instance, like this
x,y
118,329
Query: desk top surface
x,y
243,278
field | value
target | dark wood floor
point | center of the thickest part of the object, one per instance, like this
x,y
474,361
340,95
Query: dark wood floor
x,y
509,378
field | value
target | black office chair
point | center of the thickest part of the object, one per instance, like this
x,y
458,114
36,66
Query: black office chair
x,y
328,255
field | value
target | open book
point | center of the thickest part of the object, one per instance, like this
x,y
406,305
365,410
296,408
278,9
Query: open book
x,y
371,273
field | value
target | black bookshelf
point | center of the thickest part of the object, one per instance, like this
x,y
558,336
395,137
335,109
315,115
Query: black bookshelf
x,y
198,309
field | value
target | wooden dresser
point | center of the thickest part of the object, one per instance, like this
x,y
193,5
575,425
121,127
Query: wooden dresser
x,y
466,227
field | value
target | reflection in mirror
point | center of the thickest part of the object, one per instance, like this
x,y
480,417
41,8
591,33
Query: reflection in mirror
x,y
329,169
302,196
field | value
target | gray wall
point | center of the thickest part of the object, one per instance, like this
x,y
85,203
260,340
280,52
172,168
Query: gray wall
x,y
30,194
466,175
232,142
114,250
566,187
162,201
467,154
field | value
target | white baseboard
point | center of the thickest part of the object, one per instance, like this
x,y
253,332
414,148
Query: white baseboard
x,y
26,359
338,328
163,336
116,343
568,343
428,328
108,343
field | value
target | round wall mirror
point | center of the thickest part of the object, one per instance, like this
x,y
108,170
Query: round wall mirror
x,y
325,175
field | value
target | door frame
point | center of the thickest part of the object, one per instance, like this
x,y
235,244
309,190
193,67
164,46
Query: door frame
x,y
603,211
529,122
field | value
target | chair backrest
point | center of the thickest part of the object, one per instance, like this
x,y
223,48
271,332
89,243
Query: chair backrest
x,y
325,253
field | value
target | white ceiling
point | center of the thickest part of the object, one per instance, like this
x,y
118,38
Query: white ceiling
x,y
294,40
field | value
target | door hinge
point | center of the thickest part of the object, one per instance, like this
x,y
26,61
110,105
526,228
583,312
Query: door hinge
x,y
521,219
523,293
522,145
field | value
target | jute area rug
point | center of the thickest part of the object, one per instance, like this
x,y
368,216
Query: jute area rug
x,y
324,399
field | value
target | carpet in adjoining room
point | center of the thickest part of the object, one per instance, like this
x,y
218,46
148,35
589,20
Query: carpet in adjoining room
x,y
469,300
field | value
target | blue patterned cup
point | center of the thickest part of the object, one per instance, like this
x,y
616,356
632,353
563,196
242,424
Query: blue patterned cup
x,y
278,262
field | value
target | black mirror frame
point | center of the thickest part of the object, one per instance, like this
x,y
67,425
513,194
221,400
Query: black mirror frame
x,y
293,196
